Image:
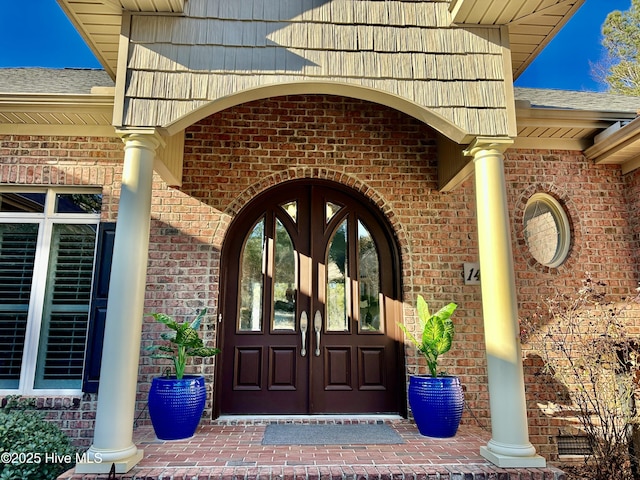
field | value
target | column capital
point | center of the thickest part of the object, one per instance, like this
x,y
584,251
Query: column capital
x,y
148,138
499,144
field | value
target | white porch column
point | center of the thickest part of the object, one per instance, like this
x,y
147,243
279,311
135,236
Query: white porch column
x,y
113,434
509,445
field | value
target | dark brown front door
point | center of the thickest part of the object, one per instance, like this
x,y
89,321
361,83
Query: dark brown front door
x,y
309,306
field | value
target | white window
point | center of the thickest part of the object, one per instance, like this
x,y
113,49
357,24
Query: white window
x,y
47,253
547,230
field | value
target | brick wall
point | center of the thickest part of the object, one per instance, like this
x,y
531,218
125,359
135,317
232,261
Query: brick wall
x,y
632,196
72,161
602,246
389,157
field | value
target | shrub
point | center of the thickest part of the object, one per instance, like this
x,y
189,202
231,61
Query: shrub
x,y
583,340
33,446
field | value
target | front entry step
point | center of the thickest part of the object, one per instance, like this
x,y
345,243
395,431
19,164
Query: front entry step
x,y
310,419
232,452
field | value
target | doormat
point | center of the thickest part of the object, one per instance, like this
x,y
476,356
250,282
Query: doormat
x,y
330,434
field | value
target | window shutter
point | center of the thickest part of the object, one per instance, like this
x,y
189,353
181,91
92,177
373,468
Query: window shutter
x,y
98,309
17,257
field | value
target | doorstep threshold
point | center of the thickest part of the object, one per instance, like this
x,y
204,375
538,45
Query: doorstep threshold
x,y
331,418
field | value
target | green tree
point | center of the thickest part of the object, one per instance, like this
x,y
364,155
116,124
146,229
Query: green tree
x,y
621,32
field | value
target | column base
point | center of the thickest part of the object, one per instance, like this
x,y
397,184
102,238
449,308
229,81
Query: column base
x,y
508,461
123,465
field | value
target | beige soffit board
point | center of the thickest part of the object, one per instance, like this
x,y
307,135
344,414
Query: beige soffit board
x,y
80,115
620,143
532,23
57,114
563,129
98,23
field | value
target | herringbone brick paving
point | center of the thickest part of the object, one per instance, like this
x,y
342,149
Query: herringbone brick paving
x,y
229,451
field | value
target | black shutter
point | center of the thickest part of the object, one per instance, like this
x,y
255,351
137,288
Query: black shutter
x,y
98,309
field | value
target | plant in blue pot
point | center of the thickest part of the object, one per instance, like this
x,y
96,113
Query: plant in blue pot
x,y
176,402
436,400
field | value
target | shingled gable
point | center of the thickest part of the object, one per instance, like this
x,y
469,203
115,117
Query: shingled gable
x,y
186,59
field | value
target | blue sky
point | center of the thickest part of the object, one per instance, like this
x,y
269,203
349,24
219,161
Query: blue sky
x,y
35,33
565,63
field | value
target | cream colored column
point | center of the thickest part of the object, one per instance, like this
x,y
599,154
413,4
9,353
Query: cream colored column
x,y
113,434
509,445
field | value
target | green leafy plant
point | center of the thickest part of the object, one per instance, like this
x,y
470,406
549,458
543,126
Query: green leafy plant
x,y
33,446
182,343
437,333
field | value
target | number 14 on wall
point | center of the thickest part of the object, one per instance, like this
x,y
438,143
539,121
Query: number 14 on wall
x,y
471,273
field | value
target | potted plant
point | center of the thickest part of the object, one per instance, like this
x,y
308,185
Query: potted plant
x,y
176,402
436,400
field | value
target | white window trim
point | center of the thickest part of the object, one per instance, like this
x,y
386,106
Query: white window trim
x,y
564,227
46,221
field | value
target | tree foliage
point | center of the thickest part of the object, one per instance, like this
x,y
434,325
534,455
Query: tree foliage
x,y
621,39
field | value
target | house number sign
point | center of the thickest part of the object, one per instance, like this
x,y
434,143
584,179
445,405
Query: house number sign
x,y
471,273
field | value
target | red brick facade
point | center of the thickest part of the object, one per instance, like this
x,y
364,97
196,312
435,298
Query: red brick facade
x,y
389,157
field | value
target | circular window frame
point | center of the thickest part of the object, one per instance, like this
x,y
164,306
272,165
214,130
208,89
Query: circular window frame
x,y
562,223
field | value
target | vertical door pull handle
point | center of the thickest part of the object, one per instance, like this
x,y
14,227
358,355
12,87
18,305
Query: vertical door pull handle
x,y
304,324
317,326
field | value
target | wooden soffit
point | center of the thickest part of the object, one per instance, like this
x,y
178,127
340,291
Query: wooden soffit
x,y
619,144
66,115
98,22
57,114
562,129
532,23
604,137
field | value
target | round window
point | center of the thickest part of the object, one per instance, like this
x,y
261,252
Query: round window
x,y
546,230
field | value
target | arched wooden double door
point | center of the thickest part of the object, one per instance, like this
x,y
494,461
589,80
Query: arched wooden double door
x,y
309,310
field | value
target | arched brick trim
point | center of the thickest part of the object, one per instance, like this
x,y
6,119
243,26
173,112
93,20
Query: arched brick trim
x,y
575,227
328,174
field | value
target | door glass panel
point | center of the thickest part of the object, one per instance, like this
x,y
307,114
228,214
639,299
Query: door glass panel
x,y
369,281
292,210
337,318
252,280
331,209
284,281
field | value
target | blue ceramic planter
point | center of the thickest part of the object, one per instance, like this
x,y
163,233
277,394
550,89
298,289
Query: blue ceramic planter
x,y
175,406
437,405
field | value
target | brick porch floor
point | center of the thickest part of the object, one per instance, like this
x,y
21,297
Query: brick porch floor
x,y
231,450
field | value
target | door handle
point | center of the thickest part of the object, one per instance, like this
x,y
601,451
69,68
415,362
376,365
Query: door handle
x,y
304,323
317,326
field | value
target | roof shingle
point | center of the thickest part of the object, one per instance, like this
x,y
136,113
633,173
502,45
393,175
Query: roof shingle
x,y
48,80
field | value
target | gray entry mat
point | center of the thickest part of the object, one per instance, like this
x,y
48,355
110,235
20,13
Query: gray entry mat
x,y
330,434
